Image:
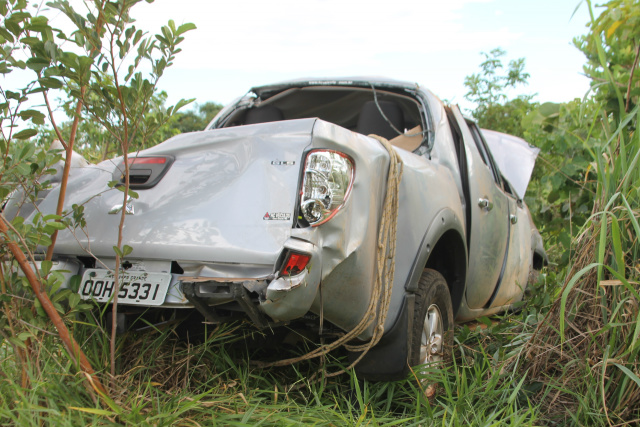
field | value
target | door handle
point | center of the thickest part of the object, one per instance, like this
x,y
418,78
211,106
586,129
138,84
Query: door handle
x,y
485,204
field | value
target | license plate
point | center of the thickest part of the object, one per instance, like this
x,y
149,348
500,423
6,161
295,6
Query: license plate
x,y
136,287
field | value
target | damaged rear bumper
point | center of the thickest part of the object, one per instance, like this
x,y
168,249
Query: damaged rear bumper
x,y
266,301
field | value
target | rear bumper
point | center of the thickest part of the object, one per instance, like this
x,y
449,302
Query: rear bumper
x,y
268,300
265,300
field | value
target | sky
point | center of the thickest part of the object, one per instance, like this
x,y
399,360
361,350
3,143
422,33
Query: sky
x,y
436,43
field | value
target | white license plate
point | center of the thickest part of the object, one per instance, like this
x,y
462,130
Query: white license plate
x,y
136,287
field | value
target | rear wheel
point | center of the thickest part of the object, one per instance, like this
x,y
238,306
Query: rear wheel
x,y
432,331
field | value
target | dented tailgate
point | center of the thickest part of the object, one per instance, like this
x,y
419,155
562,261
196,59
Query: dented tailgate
x,y
229,196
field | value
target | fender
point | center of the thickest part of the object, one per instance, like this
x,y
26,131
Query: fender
x,y
444,221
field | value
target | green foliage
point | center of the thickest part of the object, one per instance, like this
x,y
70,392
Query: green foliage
x,y
192,120
125,110
611,49
562,188
596,320
99,64
574,137
507,117
96,144
112,102
488,90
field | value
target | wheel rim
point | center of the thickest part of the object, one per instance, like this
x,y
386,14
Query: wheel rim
x,y
431,340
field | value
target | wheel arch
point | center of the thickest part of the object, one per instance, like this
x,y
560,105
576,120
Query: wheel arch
x,y
443,249
448,258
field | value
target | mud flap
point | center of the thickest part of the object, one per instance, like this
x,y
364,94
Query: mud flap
x,y
388,360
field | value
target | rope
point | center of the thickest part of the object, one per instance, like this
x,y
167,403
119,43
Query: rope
x,y
378,308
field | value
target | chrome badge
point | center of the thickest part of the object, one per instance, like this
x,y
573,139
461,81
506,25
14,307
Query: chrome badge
x,y
128,210
277,216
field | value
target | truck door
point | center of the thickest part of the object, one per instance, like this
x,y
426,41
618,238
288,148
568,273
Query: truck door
x,y
488,233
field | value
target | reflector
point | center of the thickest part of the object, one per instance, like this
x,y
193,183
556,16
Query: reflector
x,y
295,264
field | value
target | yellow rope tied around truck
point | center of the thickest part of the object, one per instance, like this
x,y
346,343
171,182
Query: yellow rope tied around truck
x,y
385,264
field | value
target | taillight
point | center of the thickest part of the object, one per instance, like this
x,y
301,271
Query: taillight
x,y
294,264
144,172
328,178
148,160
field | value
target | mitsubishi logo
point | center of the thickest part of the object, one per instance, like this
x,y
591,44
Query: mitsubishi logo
x,y
128,209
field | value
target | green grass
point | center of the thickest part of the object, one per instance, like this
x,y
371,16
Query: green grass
x,y
167,381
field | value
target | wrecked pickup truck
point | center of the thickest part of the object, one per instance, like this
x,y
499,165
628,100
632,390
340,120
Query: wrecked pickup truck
x,y
273,213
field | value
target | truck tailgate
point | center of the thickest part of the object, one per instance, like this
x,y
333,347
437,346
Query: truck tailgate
x,y
229,196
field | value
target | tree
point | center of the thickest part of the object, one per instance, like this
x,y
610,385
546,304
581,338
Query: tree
x,y
101,72
190,121
96,144
488,90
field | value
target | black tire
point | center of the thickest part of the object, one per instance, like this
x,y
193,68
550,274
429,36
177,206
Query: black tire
x,y
433,299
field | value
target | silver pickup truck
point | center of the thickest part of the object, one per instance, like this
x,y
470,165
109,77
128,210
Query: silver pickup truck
x,y
272,213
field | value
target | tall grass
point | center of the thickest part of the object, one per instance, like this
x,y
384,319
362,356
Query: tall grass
x,y
586,349
167,380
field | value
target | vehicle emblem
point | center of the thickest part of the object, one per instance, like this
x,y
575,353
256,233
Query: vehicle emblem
x,y
277,216
283,162
129,210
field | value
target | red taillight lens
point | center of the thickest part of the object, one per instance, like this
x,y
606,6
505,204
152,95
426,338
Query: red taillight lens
x,y
148,160
294,264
